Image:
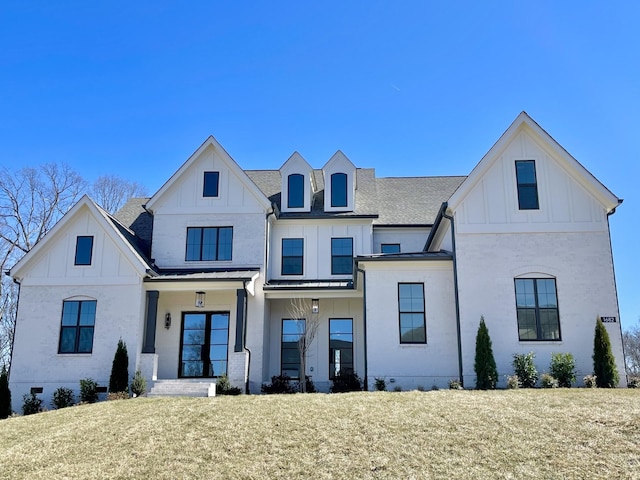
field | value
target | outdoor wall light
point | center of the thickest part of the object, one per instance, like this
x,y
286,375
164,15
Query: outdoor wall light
x,y
200,299
167,320
315,305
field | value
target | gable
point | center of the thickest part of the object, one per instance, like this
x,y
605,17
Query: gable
x,y
53,259
188,190
296,174
569,198
339,183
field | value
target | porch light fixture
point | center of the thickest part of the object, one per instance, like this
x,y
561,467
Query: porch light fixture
x,y
315,305
167,320
200,299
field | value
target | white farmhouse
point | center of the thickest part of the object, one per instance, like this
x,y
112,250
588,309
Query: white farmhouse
x,y
198,280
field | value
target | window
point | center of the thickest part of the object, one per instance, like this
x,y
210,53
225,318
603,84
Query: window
x,y
204,344
341,256
411,309
537,305
292,256
210,186
390,248
340,346
209,243
292,331
84,250
295,191
76,330
527,185
339,190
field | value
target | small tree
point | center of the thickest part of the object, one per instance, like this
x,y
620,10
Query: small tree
x,y
307,322
5,394
119,379
604,363
485,364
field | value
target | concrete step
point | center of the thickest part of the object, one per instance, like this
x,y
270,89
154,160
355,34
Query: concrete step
x,y
182,388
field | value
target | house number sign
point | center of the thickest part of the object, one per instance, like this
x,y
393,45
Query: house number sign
x,y
608,319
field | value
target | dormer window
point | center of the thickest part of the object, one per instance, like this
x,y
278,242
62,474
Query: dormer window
x,y
210,185
339,190
295,191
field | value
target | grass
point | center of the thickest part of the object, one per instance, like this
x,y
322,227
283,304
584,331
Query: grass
x,y
563,433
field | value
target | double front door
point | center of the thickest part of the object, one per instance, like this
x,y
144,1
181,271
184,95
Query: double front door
x,y
204,344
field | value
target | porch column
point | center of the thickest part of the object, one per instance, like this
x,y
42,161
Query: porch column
x,y
149,345
241,300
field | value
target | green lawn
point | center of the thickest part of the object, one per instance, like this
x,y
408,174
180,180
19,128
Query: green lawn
x,y
564,433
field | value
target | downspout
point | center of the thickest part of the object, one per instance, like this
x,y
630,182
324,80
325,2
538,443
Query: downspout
x,y
455,290
364,324
615,286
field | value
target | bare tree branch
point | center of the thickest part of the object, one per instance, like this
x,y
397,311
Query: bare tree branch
x,y
307,322
111,192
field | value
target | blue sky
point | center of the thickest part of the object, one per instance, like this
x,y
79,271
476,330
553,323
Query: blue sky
x,y
407,87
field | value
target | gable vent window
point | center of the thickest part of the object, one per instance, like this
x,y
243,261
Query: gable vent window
x,y
211,180
339,190
84,250
527,185
295,191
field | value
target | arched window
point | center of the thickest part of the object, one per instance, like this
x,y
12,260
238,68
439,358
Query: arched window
x,y
295,191
339,190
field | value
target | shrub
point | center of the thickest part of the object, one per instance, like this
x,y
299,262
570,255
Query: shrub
x,y
88,390
32,404
604,363
548,381
590,381
455,384
563,368
513,382
380,384
310,387
279,384
138,384
485,364
397,388
117,396
525,369
346,382
633,382
63,398
224,387
5,394
119,379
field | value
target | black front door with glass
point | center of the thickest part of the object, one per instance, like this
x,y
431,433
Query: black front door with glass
x,y
204,344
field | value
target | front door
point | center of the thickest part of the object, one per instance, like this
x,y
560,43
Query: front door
x,y
204,345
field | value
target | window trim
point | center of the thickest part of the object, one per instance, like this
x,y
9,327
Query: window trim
x,y
332,374
341,256
77,327
382,245
537,310
75,262
300,204
520,184
424,314
211,174
336,176
297,343
282,257
217,252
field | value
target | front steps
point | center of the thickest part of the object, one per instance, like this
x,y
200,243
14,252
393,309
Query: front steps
x,y
182,388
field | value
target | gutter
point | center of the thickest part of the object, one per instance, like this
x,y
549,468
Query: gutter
x,y
364,325
455,286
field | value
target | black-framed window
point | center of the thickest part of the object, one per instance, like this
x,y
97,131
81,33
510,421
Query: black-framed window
x,y
411,310
527,185
77,325
339,190
204,344
341,256
292,331
211,184
537,307
84,250
292,256
209,243
340,346
390,248
295,191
